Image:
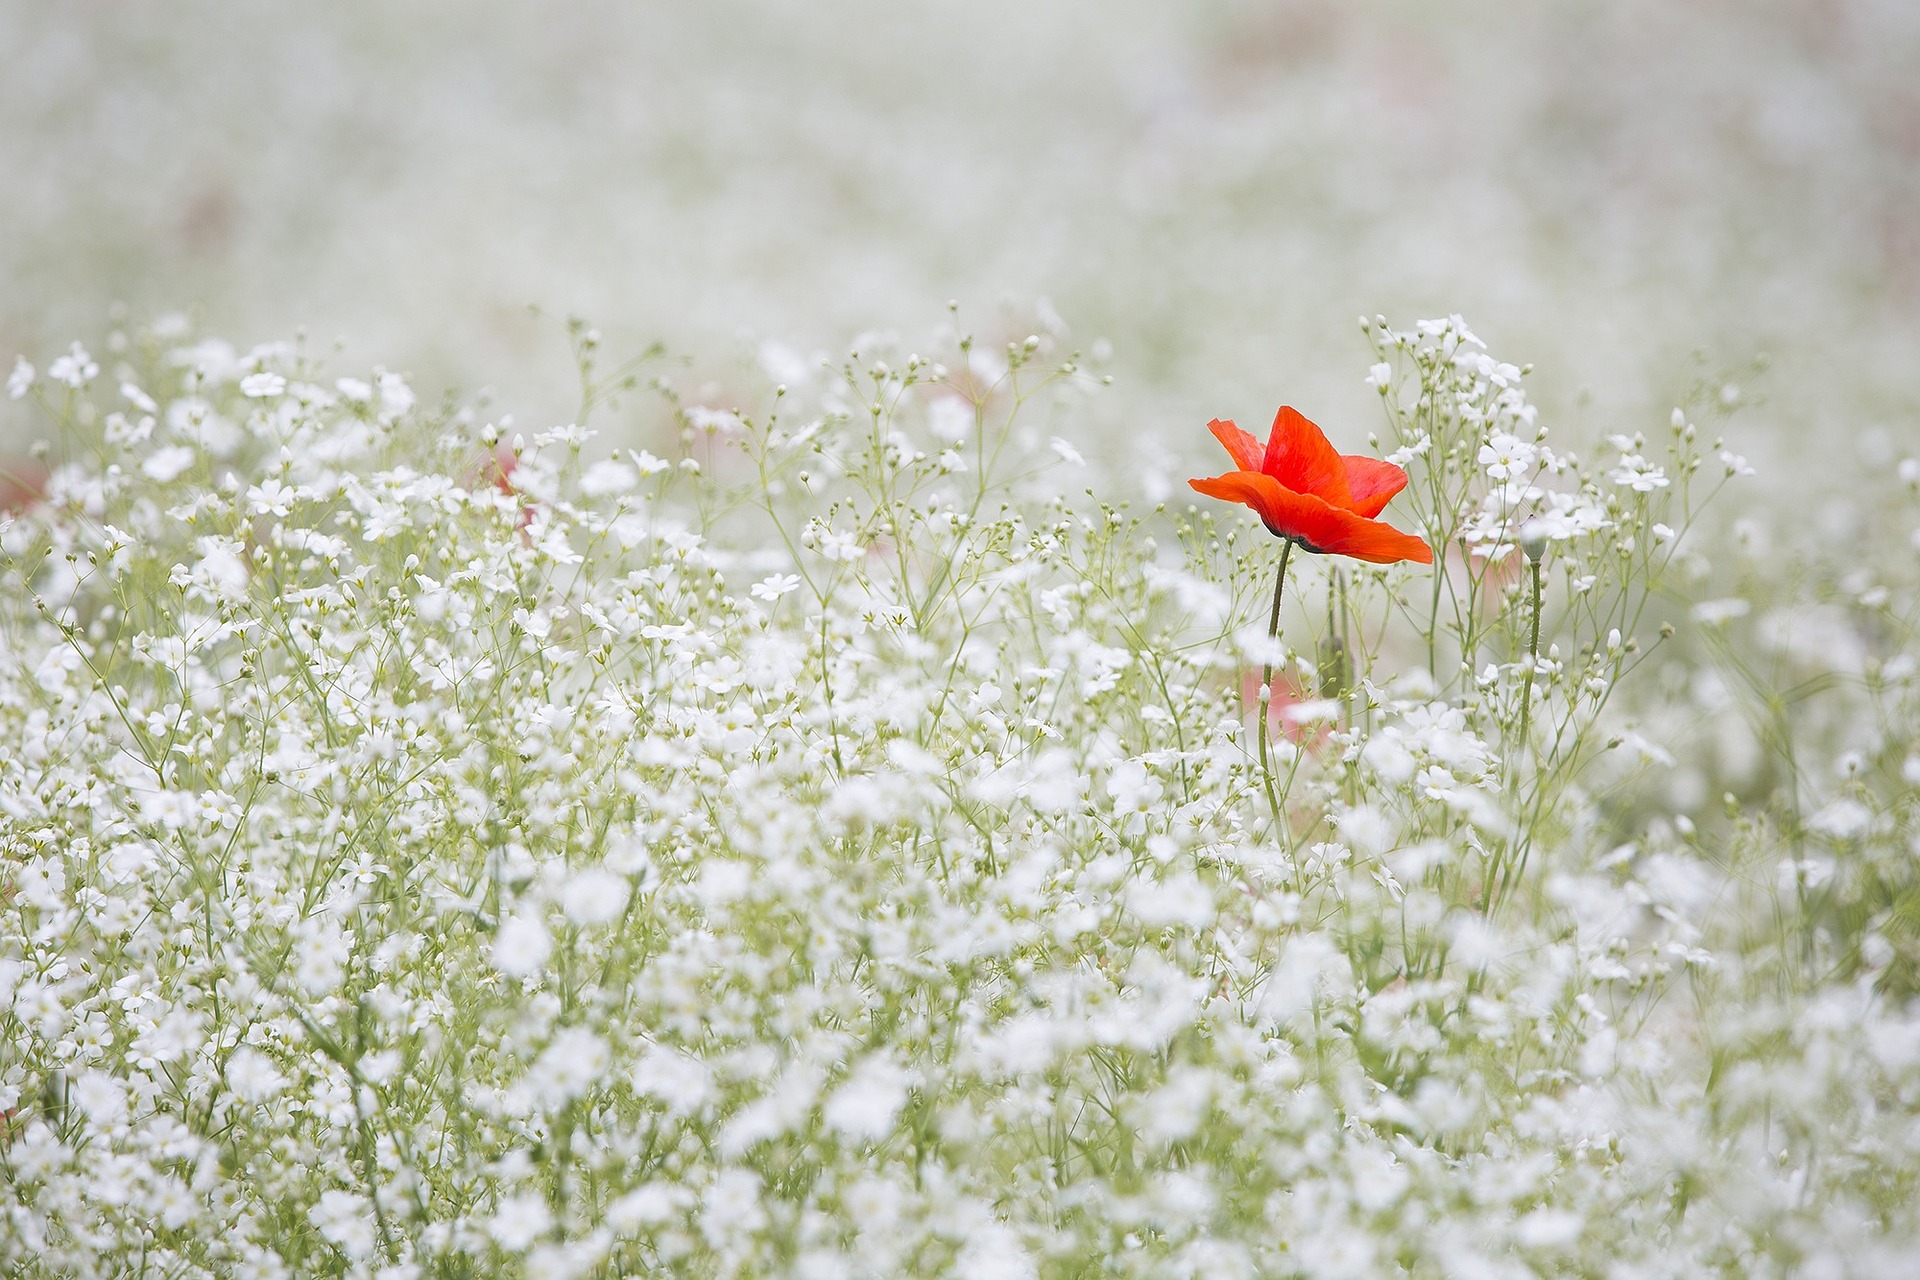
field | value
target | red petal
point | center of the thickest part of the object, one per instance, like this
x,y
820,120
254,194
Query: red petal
x,y
1373,483
1299,457
1247,487
1320,525
1377,543
1241,444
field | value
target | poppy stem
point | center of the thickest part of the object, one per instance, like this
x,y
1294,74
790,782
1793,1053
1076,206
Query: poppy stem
x,y
1266,687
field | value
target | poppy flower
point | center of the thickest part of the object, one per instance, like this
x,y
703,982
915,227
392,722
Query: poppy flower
x,y
1311,495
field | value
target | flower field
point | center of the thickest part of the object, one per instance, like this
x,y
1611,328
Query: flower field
x,y
860,834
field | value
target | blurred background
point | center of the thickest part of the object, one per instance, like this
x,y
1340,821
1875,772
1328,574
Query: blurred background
x,y
1631,193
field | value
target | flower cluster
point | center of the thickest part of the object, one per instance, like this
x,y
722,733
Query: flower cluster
x,y
812,845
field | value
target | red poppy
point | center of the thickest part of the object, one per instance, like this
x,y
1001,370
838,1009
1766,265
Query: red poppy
x,y
1314,497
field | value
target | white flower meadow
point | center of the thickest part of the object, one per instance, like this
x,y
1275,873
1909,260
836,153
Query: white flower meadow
x,y
832,849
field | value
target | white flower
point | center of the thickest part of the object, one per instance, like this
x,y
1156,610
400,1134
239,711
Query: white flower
x,y
1413,449
569,1066
522,945
396,397
537,623
1715,613
834,544
167,462
776,586
866,1105
21,379
994,1252
261,386
874,1202
519,1221
101,1097
681,1083
713,420
76,369
321,958
1507,457
593,896
731,1206
1548,1229
1636,473
1843,819
1133,789
608,476
648,1205
252,1075
1180,899
270,497
347,1221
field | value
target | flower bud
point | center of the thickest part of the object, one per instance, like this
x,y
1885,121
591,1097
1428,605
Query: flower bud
x,y
1532,538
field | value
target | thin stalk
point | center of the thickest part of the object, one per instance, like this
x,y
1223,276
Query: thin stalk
x,y
1533,655
1266,687
1517,861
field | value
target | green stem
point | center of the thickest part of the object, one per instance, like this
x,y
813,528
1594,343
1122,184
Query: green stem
x,y
1516,861
1266,687
1533,657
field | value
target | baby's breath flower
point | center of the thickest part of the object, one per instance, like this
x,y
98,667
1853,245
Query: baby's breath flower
x,y
263,385
75,369
776,586
423,858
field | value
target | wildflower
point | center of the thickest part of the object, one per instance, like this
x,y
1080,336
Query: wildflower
x,y
522,945
75,369
21,379
776,586
1312,496
1636,473
345,1220
1507,457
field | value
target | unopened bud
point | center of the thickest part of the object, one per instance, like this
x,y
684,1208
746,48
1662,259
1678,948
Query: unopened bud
x,y
1532,538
